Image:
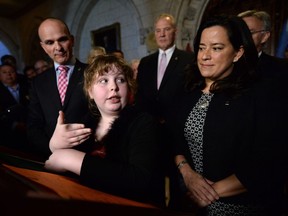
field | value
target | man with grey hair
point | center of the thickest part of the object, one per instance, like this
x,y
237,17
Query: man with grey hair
x,y
259,23
274,70
158,86
161,80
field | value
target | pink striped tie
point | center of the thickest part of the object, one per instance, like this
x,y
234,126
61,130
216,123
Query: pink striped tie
x,y
62,82
162,68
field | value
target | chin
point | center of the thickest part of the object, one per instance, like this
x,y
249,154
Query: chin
x,y
116,108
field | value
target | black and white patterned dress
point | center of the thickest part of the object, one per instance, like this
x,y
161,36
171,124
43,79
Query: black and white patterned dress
x,y
193,132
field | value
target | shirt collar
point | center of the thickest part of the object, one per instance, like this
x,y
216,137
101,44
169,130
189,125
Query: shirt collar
x,y
168,51
10,87
69,64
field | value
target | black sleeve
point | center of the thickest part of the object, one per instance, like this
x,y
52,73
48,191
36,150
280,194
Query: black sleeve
x,y
137,173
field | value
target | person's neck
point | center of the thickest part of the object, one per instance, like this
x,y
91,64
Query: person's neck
x,y
103,127
11,85
107,120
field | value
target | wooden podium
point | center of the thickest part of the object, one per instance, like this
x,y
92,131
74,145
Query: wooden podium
x,y
28,191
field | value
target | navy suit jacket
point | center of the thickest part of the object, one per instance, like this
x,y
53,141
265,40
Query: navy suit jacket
x,y
272,67
12,115
45,105
10,110
156,102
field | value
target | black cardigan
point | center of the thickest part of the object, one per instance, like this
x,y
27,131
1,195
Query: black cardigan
x,y
132,167
241,136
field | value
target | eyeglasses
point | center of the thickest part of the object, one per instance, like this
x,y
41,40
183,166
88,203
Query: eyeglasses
x,y
254,32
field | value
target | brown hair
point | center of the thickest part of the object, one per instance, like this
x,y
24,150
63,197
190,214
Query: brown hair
x,y
101,65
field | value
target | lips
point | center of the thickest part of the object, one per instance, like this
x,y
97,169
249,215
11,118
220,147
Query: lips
x,y
206,65
60,54
114,99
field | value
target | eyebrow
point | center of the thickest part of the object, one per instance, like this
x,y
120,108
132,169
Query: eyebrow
x,y
63,38
213,44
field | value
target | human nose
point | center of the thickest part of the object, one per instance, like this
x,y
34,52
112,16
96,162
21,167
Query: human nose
x,y
57,45
206,54
9,73
162,33
114,86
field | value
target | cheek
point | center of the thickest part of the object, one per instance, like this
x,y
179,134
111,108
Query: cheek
x,y
69,47
199,56
124,91
90,92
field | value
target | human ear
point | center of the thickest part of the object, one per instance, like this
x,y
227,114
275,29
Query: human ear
x,y
238,55
90,94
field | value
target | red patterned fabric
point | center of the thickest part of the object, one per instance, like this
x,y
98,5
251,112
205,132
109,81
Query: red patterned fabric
x,y
62,82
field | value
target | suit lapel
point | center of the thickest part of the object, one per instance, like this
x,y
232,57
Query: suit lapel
x,y
154,69
51,83
74,80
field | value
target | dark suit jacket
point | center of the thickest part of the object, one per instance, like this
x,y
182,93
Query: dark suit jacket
x,y
12,113
7,100
45,105
272,67
148,97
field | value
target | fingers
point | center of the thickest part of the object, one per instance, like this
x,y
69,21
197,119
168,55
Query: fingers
x,y
78,139
74,134
75,126
202,191
207,194
60,119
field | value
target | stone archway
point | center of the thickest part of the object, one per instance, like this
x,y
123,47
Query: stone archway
x,y
188,17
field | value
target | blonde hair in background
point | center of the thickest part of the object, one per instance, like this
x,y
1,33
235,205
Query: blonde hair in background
x,y
94,52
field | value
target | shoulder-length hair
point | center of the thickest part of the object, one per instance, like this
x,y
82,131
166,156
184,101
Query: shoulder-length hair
x,y
103,64
244,69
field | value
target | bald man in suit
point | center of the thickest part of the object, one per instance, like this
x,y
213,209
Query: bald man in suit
x,y
155,96
45,101
157,92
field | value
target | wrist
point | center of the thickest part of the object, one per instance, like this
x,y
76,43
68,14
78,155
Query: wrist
x,y
181,164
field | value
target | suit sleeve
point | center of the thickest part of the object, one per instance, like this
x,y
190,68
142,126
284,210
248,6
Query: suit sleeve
x,y
37,136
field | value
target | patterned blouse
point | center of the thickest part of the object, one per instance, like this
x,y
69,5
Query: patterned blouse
x,y
193,132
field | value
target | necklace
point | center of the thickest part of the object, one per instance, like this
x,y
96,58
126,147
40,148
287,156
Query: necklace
x,y
204,100
204,104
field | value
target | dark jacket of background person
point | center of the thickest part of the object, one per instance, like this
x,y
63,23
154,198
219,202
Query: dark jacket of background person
x,y
133,164
271,67
148,97
13,116
45,105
